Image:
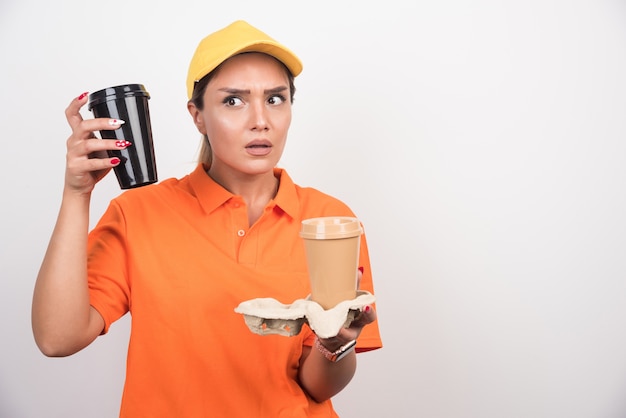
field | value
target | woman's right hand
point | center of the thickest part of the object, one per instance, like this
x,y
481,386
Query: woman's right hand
x,y
87,160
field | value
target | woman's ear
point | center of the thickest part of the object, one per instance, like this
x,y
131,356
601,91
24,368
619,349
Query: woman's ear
x,y
196,115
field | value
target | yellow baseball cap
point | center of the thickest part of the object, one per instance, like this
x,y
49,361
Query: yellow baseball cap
x,y
235,38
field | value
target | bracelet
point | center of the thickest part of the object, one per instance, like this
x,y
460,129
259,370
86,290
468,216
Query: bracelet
x,y
337,355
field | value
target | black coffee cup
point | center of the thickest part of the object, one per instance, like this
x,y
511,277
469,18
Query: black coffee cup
x,y
129,103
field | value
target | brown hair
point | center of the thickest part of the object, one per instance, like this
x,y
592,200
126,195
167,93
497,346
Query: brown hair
x,y
197,98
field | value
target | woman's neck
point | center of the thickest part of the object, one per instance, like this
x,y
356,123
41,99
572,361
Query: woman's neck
x,y
256,190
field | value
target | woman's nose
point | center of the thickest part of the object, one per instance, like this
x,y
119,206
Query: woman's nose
x,y
259,116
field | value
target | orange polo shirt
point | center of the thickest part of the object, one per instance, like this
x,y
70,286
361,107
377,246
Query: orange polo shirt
x,y
179,256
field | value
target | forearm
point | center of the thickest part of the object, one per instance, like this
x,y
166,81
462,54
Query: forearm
x,y
323,379
62,318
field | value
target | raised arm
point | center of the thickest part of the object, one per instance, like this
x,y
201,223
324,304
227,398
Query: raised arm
x,y
63,321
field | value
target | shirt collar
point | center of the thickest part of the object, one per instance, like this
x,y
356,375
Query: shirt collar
x,y
211,195
287,196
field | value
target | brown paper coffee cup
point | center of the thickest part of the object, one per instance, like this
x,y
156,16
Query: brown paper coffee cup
x,y
332,252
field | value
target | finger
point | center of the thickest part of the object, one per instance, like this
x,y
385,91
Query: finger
x,y
86,128
72,112
359,276
352,332
78,168
92,164
346,334
82,174
94,147
80,126
367,316
85,131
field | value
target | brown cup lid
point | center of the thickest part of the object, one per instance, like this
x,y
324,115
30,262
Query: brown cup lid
x,y
330,227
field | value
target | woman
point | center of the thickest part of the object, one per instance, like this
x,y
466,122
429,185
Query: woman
x,y
182,254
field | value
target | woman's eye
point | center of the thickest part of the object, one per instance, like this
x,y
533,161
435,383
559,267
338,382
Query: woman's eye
x,y
232,101
276,99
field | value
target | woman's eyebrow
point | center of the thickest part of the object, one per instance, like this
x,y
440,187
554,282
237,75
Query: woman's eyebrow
x,y
231,90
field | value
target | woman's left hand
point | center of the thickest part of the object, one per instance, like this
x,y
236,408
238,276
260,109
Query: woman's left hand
x,y
352,332
345,335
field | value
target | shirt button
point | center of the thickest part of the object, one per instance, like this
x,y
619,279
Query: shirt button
x,y
241,232
236,205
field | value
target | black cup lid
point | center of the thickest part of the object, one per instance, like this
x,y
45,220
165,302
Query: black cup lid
x,y
116,92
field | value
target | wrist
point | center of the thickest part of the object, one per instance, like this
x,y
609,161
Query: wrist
x,y
335,355
70,193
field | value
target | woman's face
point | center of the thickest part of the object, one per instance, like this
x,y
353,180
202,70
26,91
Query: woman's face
x,y
246,115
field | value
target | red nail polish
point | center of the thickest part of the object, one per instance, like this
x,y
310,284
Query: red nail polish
x,y
115,161
361,270
82,96
367,309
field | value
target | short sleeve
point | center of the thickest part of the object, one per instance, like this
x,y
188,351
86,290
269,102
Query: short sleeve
x,y
370,336
109,288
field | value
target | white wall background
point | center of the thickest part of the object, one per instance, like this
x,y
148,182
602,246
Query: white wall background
x,y
481,142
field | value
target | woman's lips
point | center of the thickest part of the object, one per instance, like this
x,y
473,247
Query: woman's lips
x,y
259,148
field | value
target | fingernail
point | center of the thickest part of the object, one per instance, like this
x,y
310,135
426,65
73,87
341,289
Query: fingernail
x,y
361,270
116,122
122,143
367,309
115,161
82,96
